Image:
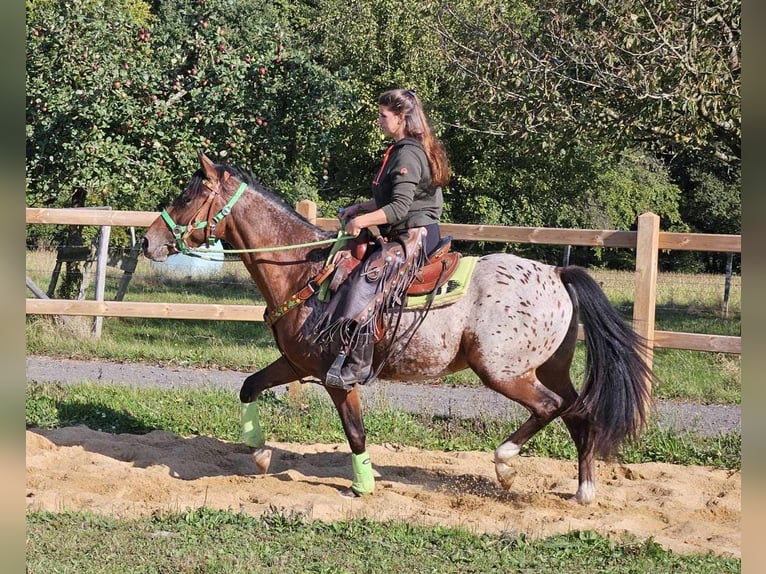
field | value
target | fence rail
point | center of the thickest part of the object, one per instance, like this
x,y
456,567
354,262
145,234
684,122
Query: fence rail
x,y
459,231
647,240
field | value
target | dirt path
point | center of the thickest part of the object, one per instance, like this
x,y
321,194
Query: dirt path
x,y
685,509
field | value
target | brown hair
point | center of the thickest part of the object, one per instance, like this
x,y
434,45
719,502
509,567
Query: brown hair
x,y
417,126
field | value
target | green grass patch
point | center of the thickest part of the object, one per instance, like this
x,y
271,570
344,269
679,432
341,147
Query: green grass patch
x,y
205,540
697,377
215,412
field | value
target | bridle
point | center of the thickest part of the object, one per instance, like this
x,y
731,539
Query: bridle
x,y
182,232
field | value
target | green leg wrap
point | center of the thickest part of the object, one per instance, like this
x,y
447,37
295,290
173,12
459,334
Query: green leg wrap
x,y
252,434
364,480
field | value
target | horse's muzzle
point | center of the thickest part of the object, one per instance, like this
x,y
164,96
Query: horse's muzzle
x,y
159,253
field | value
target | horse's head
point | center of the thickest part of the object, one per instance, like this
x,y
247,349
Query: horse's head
x,y
191,219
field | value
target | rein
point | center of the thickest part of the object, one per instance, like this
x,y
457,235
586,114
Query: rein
x,y
206,254
182,232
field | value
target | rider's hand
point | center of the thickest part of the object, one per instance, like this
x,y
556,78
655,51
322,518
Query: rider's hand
x,y
353,228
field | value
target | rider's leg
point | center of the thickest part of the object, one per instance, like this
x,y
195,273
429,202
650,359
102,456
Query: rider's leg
x,y
353,366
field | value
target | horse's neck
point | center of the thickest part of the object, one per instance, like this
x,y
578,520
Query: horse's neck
x,y
278,274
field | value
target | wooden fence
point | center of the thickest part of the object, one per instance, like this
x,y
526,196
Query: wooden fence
x,y
647,240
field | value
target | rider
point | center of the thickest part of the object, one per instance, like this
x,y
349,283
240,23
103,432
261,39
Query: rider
x,y
406,195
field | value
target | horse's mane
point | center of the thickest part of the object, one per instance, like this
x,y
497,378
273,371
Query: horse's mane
x,y
242,174
245,175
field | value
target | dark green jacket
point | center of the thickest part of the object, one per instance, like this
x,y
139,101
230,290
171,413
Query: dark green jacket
x,y
403,188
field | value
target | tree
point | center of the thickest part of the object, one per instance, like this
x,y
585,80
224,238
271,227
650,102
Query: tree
x,y
241,84
120,98
501,174
664,75
87,97
373,45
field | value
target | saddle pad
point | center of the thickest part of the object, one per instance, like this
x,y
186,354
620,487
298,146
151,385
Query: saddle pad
x,y
452,290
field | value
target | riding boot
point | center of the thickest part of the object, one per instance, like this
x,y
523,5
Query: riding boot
x,y
354,367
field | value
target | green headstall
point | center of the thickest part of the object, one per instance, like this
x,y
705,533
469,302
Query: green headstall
x,y
181,232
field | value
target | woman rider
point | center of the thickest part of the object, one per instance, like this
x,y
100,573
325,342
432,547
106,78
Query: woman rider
x,y
406,195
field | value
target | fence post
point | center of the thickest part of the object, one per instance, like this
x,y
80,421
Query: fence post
x,y
647,254
727,284
102,255
128,265
307,209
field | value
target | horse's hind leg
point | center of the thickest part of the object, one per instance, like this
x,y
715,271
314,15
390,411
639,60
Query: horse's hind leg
x,y
543,405
580,428
555,374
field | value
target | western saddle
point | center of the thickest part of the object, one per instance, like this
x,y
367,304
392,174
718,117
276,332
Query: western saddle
x,y
438,268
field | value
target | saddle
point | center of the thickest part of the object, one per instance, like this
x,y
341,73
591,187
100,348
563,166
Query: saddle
x,y
438,268
397,270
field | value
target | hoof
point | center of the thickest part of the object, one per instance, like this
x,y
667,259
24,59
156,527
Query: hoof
x,y
586,493
262,458
505,475
349,493
503,469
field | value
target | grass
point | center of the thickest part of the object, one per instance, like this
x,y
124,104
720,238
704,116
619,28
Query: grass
x,y
212,541
688,303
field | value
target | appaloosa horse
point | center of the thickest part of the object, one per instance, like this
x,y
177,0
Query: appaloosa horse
x,y
515,327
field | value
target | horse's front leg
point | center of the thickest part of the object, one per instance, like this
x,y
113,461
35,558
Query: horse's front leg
x,y
349,408
280,372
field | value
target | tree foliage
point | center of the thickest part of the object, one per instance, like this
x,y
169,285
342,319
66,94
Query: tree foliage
x,y
120,97
662,74
87,97
553,113
377,45
514,177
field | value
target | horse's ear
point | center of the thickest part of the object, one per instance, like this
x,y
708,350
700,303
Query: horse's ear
x,y
207,166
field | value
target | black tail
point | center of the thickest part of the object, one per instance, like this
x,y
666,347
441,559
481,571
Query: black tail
x,y
616,394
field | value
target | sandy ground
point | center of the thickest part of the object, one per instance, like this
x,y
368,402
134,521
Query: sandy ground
x,y
685,509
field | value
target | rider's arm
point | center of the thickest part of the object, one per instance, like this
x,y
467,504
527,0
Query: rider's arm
x,y
364,206
356,224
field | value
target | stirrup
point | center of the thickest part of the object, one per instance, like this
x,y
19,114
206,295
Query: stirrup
x,y
333,377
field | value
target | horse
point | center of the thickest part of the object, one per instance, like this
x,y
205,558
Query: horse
x,y
516,326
